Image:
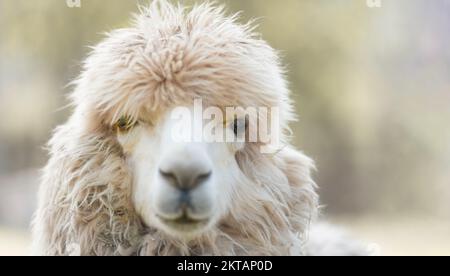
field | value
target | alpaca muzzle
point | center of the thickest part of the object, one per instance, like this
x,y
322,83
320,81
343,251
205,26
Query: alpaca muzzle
x,y
185,201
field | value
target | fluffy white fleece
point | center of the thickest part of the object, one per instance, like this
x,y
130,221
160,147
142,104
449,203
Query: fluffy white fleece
x,y
168,57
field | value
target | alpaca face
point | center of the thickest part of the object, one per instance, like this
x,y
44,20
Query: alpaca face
x,y
181,186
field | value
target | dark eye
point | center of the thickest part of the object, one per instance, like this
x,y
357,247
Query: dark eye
x,y
239,127
125,124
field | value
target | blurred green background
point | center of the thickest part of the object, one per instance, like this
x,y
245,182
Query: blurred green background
x,y
371,85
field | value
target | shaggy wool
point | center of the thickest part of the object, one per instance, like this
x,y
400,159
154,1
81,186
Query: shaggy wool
x,y
168,57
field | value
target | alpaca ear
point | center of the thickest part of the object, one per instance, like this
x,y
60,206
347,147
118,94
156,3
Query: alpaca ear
x,y
304,200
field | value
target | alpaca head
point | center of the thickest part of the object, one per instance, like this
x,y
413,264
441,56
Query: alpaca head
x,y
128,101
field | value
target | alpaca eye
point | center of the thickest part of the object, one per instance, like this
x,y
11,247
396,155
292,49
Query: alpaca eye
x,y
125,124
239,127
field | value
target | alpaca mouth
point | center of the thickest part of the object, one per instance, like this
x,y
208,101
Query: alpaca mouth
x,y
185,223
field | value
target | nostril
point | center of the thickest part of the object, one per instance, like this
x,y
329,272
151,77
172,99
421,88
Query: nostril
x,y
203,177
167,174
170,177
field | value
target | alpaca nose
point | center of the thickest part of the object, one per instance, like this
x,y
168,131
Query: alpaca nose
x,y
185,175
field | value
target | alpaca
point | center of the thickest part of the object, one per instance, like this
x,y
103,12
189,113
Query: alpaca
x,y
117,183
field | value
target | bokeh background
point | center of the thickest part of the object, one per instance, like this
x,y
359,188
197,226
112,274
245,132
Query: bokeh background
x,y
371,85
